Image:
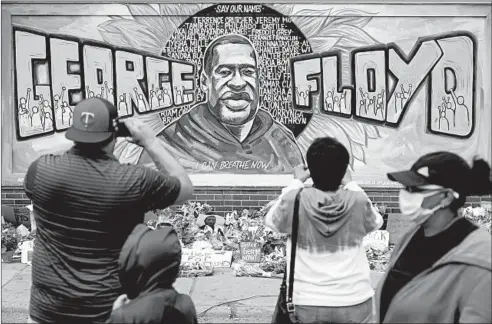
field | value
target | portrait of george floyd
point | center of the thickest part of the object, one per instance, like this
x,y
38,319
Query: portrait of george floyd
x,y
228,130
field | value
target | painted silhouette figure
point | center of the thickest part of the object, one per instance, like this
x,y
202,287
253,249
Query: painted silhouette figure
x,y
329,101
365,98
406,94
298,96
154,101
446,103
398,102
36,121
169,97
187,95
24,116
362,105
336,104
122,105
442,116
140,101
371,106
460,108
48,121
303,97
177,96
66,113
308,91
343,102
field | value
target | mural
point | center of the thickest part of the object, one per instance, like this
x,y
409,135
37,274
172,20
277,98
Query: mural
x,y
245,88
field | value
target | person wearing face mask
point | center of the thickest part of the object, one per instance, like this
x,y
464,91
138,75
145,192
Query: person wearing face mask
x,y
440,271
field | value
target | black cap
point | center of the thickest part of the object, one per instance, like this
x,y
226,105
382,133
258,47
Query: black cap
x,y
445,169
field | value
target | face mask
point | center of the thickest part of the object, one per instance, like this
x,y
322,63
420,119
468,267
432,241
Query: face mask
x,y
411,205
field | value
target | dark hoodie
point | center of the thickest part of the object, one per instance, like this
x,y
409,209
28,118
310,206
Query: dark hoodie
x,y
149,264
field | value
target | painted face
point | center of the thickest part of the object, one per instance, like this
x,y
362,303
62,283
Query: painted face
x,y
210,221
232,85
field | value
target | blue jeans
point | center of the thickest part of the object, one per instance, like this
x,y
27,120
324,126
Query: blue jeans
x,y
361,313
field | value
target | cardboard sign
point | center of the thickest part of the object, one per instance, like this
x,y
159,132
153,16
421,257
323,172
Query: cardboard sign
x,y
27,248
378,239
397,226
250,252
207,257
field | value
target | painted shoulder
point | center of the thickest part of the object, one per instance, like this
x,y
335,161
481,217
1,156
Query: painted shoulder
x,y
279,125
194,111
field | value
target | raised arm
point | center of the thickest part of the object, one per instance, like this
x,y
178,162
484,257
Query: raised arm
x,y
279,215
453,95
372,218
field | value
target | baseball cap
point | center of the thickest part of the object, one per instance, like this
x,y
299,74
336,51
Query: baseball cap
x,y
92,121
445,169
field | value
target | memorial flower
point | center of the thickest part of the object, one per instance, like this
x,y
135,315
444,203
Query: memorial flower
x,y
482,216
150,27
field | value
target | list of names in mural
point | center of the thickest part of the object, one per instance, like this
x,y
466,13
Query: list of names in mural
x,y
275,38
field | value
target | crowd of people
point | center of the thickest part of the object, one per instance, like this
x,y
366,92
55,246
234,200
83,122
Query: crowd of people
x,y
95,261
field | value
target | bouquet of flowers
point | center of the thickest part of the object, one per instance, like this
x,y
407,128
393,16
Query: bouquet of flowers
x,y
10,238
482,216
274,262
378,258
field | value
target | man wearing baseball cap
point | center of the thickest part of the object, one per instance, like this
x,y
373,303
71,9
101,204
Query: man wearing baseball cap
x,y
86,204
440,271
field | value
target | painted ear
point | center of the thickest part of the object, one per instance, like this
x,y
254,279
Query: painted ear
x,y
204,82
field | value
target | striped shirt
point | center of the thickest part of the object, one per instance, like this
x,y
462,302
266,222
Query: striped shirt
x,y
85,207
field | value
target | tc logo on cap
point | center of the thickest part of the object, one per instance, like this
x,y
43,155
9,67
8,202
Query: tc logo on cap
x,y
87,118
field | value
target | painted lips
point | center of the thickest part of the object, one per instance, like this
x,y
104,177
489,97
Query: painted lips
x,y
236,100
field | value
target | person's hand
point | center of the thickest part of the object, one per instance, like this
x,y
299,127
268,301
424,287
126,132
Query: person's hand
x,y
142,134
301,172
120,301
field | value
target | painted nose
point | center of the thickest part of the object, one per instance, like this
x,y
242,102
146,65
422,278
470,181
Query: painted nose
x,y
237,82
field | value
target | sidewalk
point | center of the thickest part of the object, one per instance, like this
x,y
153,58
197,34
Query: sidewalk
x,y
220,298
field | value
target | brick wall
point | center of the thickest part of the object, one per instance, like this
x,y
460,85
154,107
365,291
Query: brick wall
x,y
227,199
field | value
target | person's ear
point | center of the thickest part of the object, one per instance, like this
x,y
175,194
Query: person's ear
x,y
204,80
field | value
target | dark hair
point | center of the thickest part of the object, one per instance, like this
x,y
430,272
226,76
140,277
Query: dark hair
x,y
209,59
327,160
478,184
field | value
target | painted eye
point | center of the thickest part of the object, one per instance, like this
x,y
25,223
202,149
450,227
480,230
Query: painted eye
x,y
248,72
224,72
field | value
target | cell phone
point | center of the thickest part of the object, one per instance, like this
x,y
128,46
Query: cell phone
x,y
123,131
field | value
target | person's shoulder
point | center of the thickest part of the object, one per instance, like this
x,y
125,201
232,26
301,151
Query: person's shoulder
x,y
185,303
134,170
354,191
51,158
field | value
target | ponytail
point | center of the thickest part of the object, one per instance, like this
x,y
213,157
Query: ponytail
x,y
480,182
